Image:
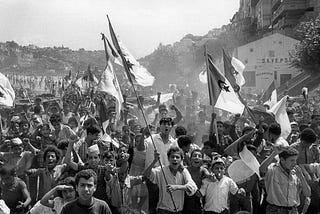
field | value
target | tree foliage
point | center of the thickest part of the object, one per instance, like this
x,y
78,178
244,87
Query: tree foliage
x,y
307,52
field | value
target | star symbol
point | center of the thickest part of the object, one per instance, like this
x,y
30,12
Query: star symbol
x,y
223,86
129,64
226,88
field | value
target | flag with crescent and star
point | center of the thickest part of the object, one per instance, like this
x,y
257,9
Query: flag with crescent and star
x,y
233,71
221,93
136,73
108,81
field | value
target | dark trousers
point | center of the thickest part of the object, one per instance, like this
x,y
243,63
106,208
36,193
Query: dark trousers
x,y
272,209
153,191
160,211
211,212
238,203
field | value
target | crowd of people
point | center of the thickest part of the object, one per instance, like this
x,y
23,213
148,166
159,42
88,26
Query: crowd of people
x,y
188,159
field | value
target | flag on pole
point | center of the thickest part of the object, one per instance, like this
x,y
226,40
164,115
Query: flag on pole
x,y
135,72
233,71
108,82
279,110
110,85
221,94
113,54
7,94
269,97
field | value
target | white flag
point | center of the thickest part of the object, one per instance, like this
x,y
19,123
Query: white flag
x,y
7,94
140,74
280,113
239,67
163,98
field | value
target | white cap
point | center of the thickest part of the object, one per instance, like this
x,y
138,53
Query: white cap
x,y
94,149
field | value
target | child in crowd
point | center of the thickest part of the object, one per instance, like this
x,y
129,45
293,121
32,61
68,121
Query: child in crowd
x,y
171,196
53,201
120,183
216,193
193,204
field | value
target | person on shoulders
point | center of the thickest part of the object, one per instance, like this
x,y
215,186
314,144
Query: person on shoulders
x,y
86,185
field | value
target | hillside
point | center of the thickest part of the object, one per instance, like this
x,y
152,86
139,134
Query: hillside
x,y
32,60
179,63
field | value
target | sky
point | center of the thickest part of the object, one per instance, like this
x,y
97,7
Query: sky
x,y
141,24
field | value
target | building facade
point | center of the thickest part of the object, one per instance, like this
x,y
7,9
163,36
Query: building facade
x,y
266,60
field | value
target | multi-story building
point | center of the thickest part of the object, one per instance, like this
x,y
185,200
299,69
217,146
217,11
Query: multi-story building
x,y
266,60
262,13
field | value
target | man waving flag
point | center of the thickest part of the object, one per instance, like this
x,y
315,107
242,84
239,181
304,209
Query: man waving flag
x,y
221,93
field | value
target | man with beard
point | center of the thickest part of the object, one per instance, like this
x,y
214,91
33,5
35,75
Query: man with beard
x,y
161,143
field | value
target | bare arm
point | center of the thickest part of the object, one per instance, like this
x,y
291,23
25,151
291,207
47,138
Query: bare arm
x,y
45,200
178,117
232,148
26,195
264,165
147,171
67,158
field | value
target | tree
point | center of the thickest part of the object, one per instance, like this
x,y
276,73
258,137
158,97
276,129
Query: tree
x,y
307,52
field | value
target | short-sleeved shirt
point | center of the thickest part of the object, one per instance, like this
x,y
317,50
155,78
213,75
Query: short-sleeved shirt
x,y
217,193
97,207
181,178
13,194
283,189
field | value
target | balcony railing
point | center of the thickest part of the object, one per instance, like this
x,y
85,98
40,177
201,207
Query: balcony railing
x,y
288,6
275,4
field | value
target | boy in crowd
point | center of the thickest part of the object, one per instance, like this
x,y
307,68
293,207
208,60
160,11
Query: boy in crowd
x,y
178,178
217,193
86,185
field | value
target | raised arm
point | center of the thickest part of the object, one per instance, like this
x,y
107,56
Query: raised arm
x,y
178,117
147,171
264,165
45,201
68,159
232,148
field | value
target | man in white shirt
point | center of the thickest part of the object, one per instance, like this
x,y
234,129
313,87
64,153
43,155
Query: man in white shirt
x,y
162,142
